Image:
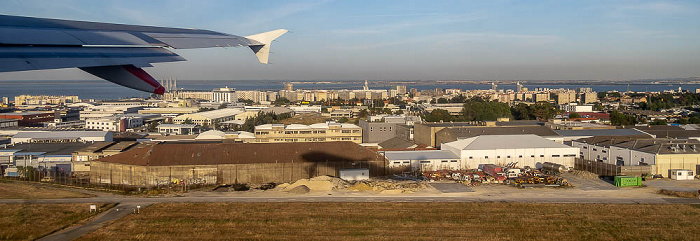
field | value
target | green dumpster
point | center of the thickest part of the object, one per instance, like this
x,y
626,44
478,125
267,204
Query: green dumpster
x,y
627,181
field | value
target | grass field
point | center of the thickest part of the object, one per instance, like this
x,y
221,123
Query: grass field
x,y
406,221
30,190
32,221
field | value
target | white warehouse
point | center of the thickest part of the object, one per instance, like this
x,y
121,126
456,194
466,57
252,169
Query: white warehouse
x,y
526,150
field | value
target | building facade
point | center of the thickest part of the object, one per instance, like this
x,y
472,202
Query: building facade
x,y
320,132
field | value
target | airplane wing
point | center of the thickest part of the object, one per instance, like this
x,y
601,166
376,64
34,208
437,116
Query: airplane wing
x,y
114,52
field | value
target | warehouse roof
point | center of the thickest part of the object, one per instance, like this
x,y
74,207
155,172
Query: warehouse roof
x,y
214,114
490,142
64,148
662,131
396,143
165,154
177,125
60,134
420,155
662,146
466,132
602,132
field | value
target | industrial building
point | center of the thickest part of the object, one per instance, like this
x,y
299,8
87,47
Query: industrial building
x,y
178,129
525,150
208,117
319,132
8,123
44,156
452,134
29,118
377,129
61,136
432,160
227,163
660,153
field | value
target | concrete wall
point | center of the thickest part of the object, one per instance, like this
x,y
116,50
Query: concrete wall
x,y
426,165
533,157
676,161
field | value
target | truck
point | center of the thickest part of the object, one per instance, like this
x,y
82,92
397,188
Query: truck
x,y
513,172
494,171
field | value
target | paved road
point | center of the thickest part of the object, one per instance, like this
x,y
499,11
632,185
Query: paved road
x,y
588,184
432,198
691,186
451,187
95,223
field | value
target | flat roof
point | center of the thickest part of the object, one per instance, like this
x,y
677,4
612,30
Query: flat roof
x,y
490,142
420,155
64,148
601,132
165,154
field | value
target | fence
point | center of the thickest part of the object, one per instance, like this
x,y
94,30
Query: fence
x,y
605,169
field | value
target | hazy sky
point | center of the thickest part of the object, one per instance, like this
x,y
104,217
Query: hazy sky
x,y
411,40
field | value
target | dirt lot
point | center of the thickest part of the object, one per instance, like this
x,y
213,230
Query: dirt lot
x,y
305,119
30,190
32,221
406,221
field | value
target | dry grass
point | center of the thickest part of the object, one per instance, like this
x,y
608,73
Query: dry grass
x,y
679,194
32,221
305,119
31,190
406,221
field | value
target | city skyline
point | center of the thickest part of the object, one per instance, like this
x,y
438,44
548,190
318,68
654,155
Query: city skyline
x,y
413,40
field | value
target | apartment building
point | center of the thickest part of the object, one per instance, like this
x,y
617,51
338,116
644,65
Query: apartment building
x,y
319,132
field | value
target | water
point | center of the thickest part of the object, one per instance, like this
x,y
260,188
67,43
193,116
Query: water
x,y
100,89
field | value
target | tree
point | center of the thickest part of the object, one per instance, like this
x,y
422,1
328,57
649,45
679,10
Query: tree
x,y
480,110
521,111
188,121
281,101
438,115
363,113
458,99
324,110
223,106
658,122
598,106
262,118
378,103
343,119
442,101
543,111
574,115
153,126
621,119
694,120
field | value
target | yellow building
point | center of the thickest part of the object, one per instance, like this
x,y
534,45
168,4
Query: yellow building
x,y
319,132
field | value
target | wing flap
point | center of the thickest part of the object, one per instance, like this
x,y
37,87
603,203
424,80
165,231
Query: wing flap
x,y
36,58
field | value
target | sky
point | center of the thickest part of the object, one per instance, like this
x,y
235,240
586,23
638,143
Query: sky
x,y
410,40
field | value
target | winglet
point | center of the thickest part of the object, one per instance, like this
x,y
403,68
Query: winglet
x,y
263,51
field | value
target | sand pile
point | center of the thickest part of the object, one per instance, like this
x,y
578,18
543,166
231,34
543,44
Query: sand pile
x,y
387,186
322,183
584,174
